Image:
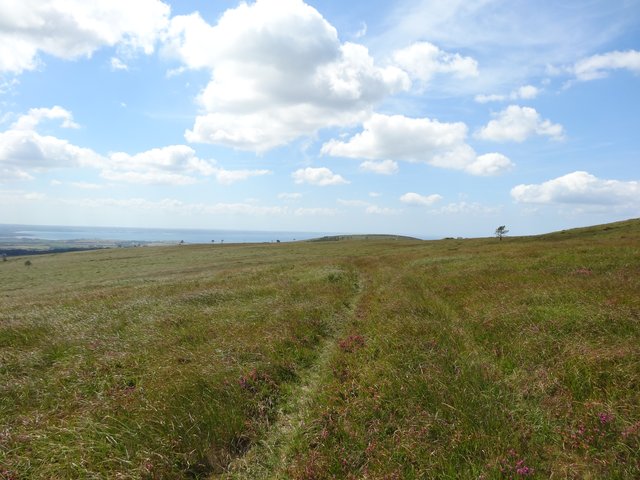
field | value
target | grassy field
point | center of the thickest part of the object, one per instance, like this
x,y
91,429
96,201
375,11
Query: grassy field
x,y
365,358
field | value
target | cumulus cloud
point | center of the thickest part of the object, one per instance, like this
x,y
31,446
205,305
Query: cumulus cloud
x,y
35,116
24,151
321,177
412,198
526,92
175,165
599,66
424,140
423,60
397,136
385,167
516,124
489,164
278,72
580,188
75,28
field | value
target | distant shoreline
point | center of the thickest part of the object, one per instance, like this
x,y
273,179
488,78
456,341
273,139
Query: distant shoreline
x,y
26,236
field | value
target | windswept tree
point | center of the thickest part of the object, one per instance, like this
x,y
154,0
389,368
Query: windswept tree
x,y
501,231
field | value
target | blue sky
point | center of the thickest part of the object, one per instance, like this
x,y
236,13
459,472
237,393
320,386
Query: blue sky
x,y
425,118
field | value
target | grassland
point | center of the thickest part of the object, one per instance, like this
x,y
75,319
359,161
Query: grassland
x,y
368,358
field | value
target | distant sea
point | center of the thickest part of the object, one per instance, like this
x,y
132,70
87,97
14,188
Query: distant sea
x,y
13,233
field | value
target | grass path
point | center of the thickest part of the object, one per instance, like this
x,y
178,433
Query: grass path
x,y
265,459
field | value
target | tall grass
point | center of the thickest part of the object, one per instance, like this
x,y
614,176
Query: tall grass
x,y
367,358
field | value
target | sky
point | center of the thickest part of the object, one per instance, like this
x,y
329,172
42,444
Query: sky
x,y
415,117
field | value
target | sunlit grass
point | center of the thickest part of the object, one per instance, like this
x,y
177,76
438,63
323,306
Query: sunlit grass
x,y
367,358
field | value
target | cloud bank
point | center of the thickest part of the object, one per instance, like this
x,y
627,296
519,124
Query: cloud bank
x,y
517,124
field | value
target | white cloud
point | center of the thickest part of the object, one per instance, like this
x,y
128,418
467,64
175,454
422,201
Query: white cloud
x,y
117,64
369,208
318,176
13,174
148,177
375,194
19,197
412,198
581,188
423,60
290,196
416,140
8,84
598,66
23,150
513,43
385,167
35,116
227,177
278,72
490,164
362,32
315,212
464,207
526,92
353,203
75,28
173,165
396,136
376,210
516,124
86,185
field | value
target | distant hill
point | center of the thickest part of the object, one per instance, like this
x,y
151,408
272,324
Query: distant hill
x,y
375,236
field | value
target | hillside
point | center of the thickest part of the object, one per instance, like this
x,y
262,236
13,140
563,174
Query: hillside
x,y
360,358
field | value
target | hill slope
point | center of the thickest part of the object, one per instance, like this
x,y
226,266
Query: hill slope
x,y
363,359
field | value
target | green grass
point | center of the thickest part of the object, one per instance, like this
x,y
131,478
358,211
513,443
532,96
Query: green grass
x,y
374,357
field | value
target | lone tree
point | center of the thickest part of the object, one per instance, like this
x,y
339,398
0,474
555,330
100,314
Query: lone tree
x,y
501,231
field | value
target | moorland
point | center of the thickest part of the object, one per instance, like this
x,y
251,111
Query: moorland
x,y
371,357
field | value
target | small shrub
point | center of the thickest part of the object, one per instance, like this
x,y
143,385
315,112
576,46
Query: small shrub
x,y
27,263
